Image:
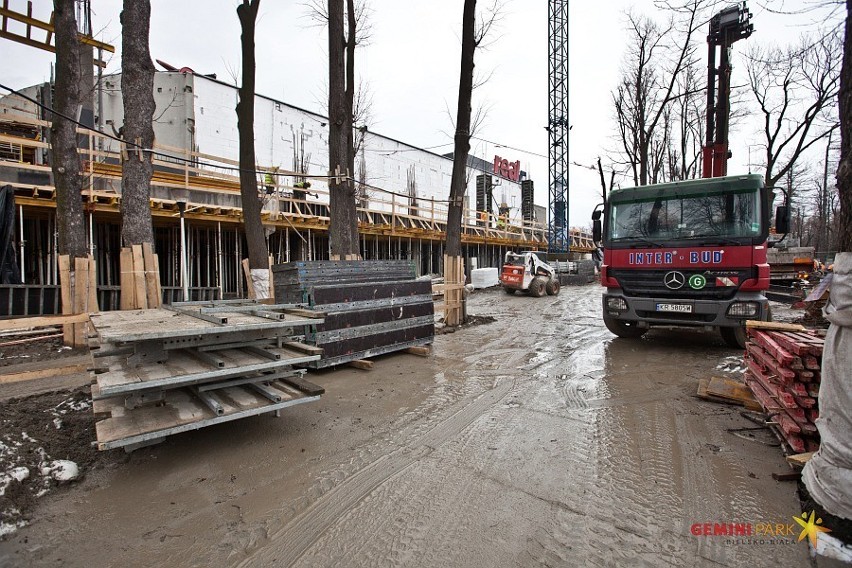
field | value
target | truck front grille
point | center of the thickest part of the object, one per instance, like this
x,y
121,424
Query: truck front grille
x,y
651,283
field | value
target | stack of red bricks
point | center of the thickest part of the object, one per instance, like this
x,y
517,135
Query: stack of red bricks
x,y
783,372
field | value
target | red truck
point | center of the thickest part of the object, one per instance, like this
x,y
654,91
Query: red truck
x,y
689,253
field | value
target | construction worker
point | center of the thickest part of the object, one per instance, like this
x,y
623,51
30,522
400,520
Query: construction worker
x,y
271,180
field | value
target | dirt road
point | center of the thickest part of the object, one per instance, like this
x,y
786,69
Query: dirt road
x,y
536,440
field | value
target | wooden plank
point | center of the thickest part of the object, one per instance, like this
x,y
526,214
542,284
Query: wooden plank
x,y
139,286
152,290
249,284
128,290
730,389
303,385
421,351
14,377
42,321
800,460
309,349
66,296
81,298
157,285
362,364
771,346
304,313
30,339
774,325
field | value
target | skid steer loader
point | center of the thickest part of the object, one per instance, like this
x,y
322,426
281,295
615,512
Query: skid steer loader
x,y
527,272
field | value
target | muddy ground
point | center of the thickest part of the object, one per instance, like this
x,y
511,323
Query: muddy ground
x,y
537,439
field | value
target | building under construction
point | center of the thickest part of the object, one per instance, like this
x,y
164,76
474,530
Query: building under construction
x,y
403,191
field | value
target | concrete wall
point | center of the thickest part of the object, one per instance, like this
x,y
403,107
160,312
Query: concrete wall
x,y
198,113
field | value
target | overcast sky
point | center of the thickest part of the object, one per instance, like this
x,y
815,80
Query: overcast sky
x,y
411,66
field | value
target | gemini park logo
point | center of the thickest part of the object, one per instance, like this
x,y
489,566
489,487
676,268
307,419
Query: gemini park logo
x,y
764,532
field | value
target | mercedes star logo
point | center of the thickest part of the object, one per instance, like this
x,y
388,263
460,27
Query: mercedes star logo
x,y
674,280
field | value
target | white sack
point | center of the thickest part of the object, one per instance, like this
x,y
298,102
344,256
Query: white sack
x,y
828,475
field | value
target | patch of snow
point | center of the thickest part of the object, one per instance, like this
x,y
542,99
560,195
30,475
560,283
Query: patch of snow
x,y
58,423
16,473
20,473
9,528
61,470
25,436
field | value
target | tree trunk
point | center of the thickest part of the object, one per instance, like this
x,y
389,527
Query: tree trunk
x,y
256,240
65,161
844,171
343,222
137,91
462,136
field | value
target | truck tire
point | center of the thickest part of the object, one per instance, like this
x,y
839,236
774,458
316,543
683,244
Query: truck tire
x,y
552,287
626,329
734,336
536,288
510,291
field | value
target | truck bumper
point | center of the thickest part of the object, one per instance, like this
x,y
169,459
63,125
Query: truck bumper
x,y
701,313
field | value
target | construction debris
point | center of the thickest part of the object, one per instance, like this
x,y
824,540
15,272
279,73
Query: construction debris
x,y
783,371
729,391
196,364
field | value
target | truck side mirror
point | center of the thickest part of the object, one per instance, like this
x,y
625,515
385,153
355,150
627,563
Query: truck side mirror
x,y
782,219
596,223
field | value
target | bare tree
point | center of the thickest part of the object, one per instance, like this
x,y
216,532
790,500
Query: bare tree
x,y
844,171
473,35
251,204
652,80
795,90
343,222
65,160
137,91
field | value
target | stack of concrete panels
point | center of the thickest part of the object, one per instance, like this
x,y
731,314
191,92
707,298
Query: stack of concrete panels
x,y
369,307
195,364
293,280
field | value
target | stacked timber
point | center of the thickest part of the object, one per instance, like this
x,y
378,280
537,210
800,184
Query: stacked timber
x,y
195,364
369,307
783,371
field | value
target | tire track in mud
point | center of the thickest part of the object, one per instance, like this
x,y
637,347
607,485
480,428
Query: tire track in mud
x,y
288,544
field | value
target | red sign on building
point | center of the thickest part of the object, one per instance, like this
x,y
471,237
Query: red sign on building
x,y
507,169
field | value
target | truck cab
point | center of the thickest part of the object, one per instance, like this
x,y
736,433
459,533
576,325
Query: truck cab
x,y
689,253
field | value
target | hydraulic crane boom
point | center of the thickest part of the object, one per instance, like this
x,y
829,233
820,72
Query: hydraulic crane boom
x,y
726,27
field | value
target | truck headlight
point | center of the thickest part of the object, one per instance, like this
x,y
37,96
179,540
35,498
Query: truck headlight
x,y
616,304
743,310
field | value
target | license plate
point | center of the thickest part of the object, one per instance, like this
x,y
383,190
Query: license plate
x,y
683,308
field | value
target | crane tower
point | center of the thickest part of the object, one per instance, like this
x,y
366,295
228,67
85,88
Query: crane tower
x,y
557,126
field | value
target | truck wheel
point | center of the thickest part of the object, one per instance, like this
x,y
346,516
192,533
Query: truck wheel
x,y
626,329
510,291
552,287
734,336
536,288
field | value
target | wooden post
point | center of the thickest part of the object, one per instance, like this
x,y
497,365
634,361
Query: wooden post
x,y
80,283
453,289
140,291
152,273
66,294
249,284
128,290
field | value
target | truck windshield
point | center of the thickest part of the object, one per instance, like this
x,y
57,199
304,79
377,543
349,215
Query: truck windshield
x,y
694,216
